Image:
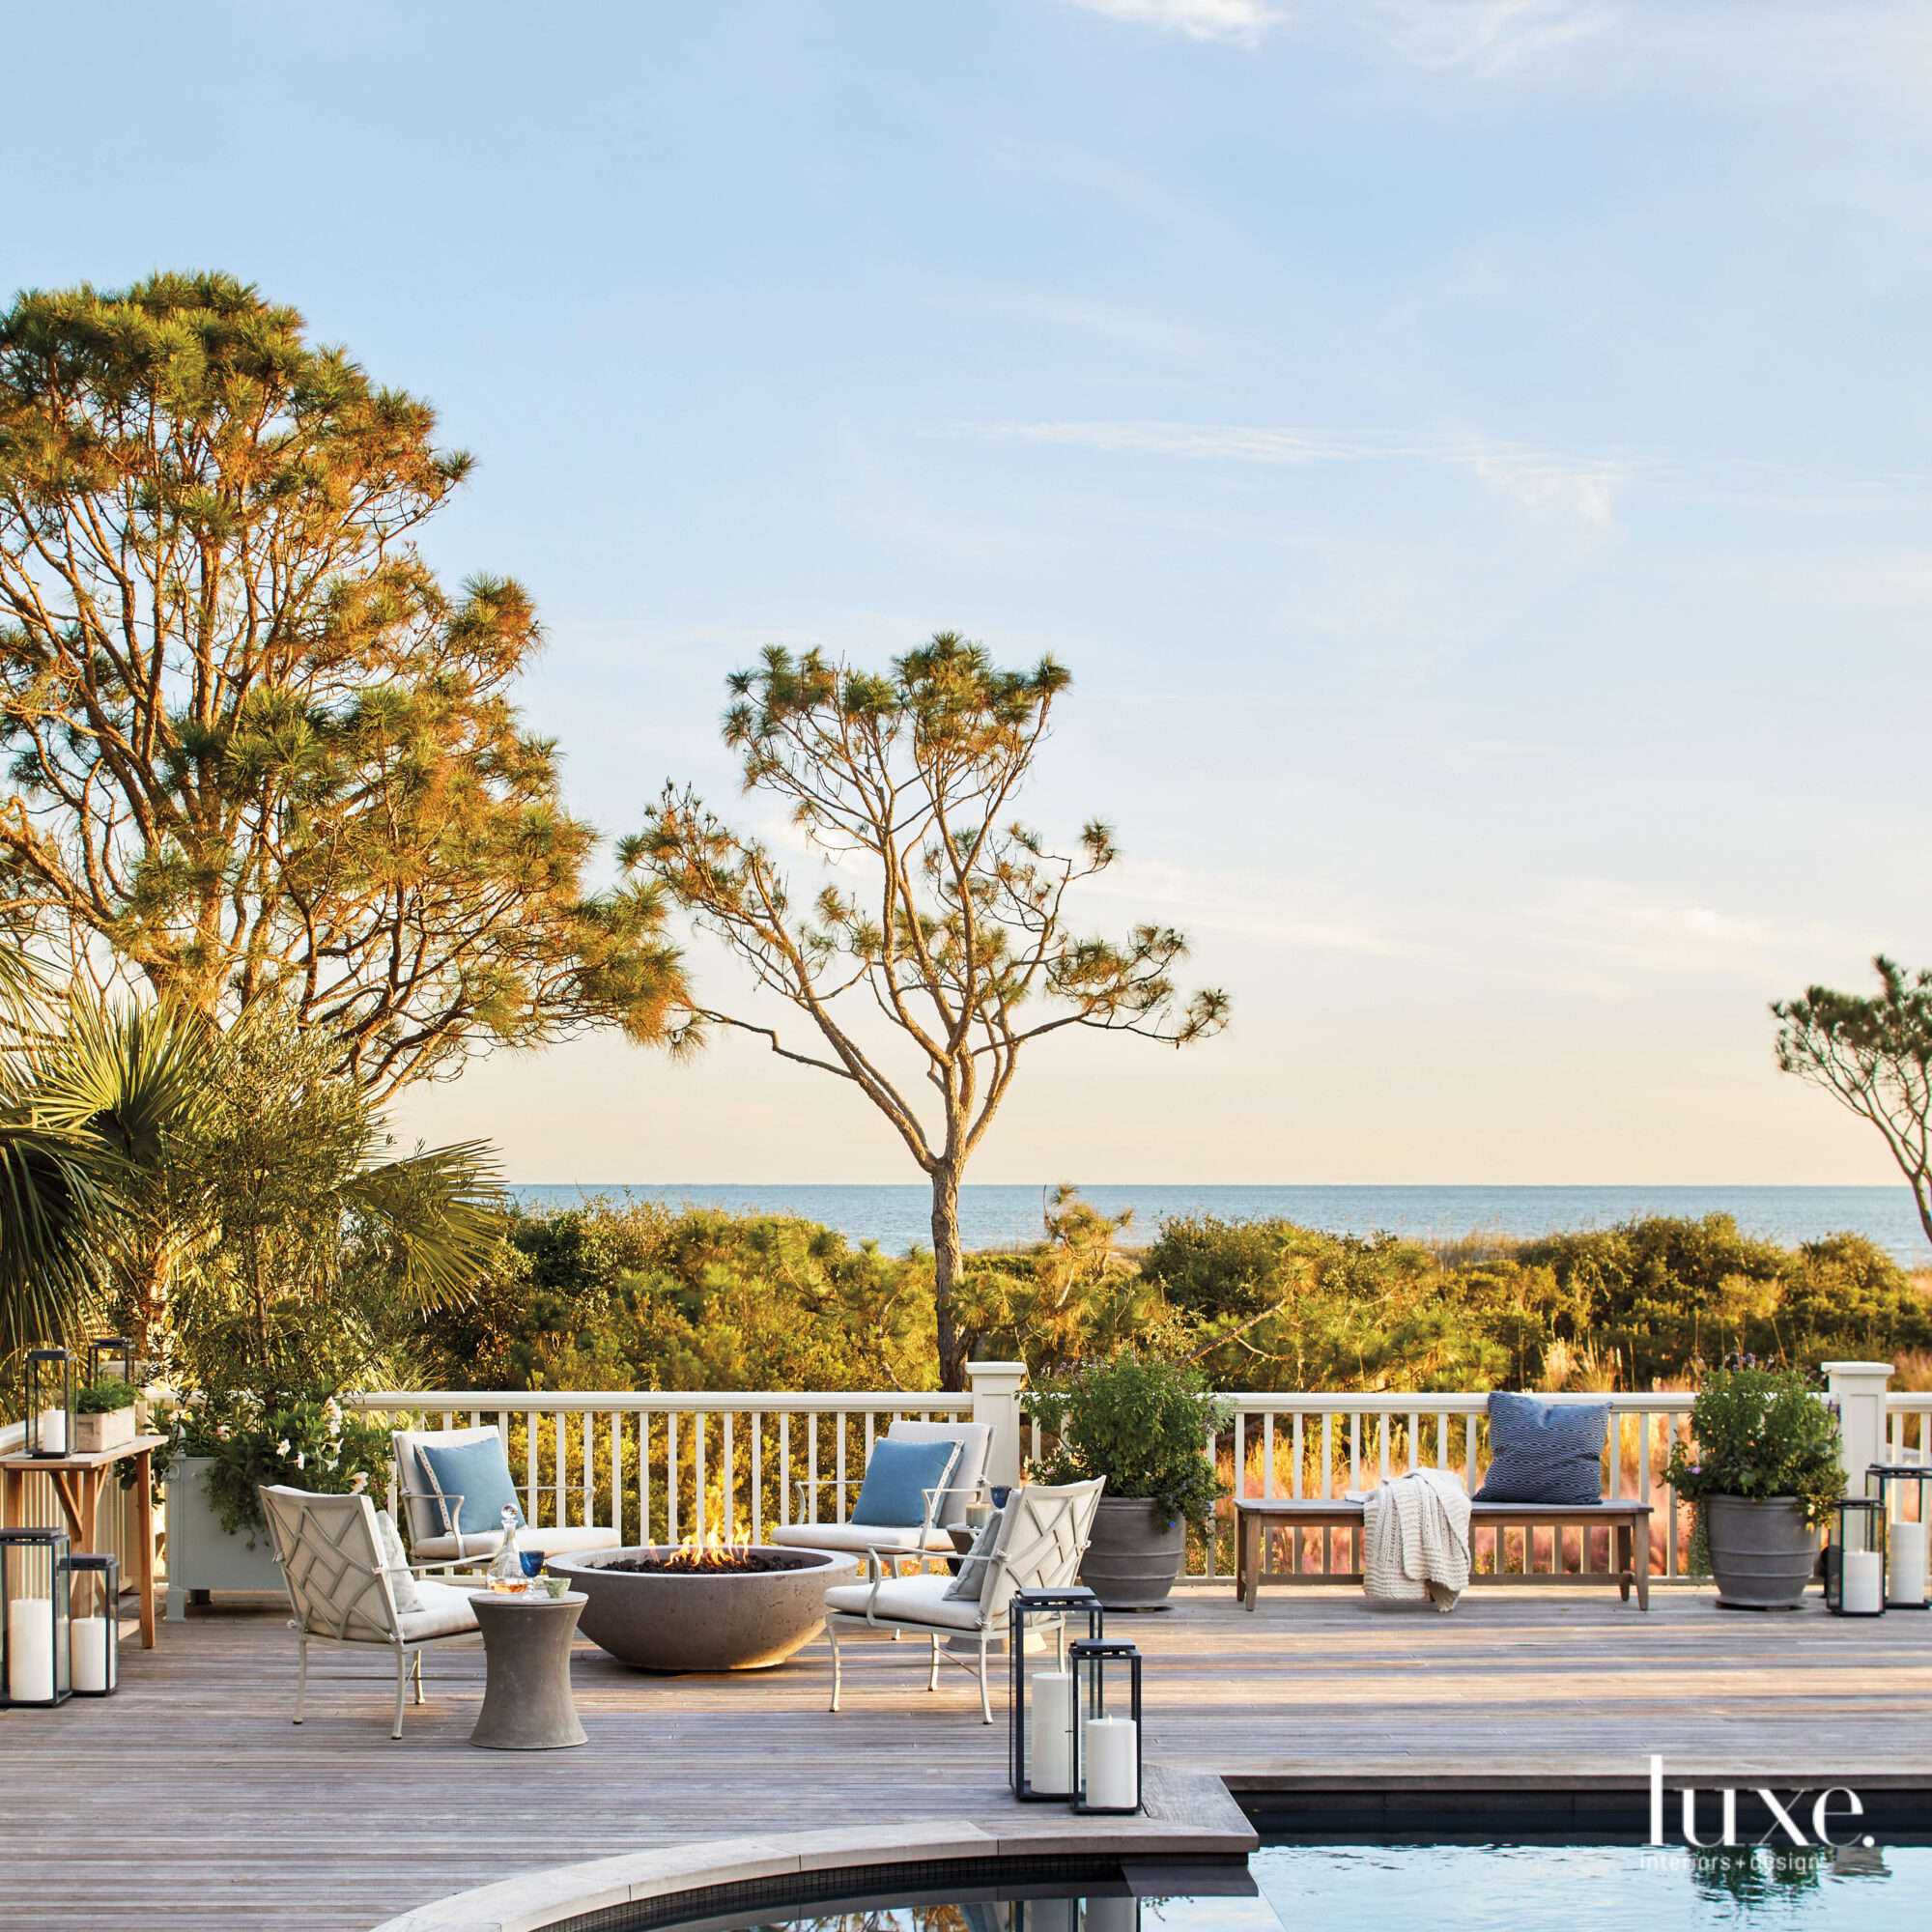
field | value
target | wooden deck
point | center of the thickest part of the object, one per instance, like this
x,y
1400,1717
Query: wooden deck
x,y
189,1800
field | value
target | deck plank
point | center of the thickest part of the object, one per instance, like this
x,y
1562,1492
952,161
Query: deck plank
x,y
191,1800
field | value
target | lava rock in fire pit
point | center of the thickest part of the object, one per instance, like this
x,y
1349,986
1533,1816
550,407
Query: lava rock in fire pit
x,y
650,1609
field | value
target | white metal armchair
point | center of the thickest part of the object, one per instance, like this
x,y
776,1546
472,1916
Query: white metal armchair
x,y
436,1538
944,1507
1042,1537
331,1554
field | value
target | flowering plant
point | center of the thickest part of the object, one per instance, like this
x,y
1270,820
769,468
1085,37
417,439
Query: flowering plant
x,y
305,1444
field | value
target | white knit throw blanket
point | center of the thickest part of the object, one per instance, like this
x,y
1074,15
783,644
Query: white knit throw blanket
x,y
1415,1539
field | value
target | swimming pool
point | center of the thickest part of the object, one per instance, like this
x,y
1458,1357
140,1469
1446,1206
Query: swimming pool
x,y
1363,1888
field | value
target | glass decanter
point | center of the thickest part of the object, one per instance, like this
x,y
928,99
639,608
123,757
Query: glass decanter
x,y
507,1568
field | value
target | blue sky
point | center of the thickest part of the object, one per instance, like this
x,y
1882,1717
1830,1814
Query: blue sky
x,y
1473,458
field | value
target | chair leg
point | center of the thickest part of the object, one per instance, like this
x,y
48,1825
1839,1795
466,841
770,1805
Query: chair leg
x,y
418,1675
402,1684
986,1708
932,1681
302,1679
832,1631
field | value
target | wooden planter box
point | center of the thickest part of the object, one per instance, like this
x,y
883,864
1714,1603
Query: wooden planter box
x,y
202,1555
93,1433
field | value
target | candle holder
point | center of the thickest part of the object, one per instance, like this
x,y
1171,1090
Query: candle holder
x,y
34,1656
109,1358
1031,1614
1906,1538
94,1624
1106,1726
1854,1559
49,1377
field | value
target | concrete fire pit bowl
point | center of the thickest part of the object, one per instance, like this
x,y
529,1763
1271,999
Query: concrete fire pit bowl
x,y
703,1619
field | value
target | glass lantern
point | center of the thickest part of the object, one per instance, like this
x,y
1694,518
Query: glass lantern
x,y
1039,1710
109,1358
1106,1726
94,1624
1854,1559
1906,1549
49,1402
33,1653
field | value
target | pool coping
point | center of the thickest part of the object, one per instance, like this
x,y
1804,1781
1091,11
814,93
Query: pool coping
x,y
1189,1817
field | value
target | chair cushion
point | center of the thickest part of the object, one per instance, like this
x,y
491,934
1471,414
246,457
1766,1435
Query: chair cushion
x,y
445,1611
974,1439
479,1474
912,1600
401,1585
897,1475
544,1542
853,1536
965,1588
1543,1452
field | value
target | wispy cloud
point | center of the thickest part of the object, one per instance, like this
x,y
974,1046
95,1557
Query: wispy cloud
x,y
1487,37
1267,910
1243,21
1584,487
1657,936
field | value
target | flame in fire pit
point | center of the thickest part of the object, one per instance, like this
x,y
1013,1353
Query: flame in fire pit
x,y
710,1552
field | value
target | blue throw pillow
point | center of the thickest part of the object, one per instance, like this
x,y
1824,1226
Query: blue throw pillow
x,y
1543,1452
898,1474
479,1474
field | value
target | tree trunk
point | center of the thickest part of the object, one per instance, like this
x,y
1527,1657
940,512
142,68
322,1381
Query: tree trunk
x,y
948,1264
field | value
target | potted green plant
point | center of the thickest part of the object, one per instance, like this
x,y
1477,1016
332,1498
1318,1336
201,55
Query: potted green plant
x,y
1142,1426
103,1417
1762,1469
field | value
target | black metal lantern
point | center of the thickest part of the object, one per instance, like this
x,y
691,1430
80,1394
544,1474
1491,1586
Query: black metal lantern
x,y
1106,1726
1907,1539
1854,1559
109,1358
34,1656
1041,1755
49,1401
94,1624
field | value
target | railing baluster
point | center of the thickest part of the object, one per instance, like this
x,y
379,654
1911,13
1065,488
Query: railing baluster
x,y
701,1510
1267,1454
841,1466
784,1466
670,1476
758,1476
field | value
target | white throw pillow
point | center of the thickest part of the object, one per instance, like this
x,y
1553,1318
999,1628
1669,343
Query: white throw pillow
x,y
401,1585
971,1581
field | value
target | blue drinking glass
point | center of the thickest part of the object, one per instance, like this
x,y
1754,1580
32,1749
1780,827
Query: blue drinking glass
x,y
532,1561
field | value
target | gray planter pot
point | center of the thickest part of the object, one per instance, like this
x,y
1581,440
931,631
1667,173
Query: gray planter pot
x,y
1132,1559
201,1554
1762,1554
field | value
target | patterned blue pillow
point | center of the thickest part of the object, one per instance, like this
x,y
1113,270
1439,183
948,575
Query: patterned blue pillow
x,y
1543,1452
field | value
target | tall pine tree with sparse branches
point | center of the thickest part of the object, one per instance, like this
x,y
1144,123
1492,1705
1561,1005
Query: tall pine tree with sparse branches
x,y
959,940
257,750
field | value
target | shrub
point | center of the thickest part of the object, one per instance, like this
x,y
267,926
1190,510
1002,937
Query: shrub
x,y
1142,1426
105,1398
1758,1433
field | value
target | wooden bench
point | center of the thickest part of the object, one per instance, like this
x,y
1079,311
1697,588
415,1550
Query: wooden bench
x,y
1628,1521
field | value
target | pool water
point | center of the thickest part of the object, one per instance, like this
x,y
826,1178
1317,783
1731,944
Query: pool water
x,y
1454,1889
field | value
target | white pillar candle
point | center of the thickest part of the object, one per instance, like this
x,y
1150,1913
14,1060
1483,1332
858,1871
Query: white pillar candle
x,y
1863,1590
89,1638
53,1431
1112,1773
1049,1732
30,1649
1906,1546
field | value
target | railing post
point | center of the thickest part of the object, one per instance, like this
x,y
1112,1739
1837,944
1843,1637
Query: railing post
x,y
996,1400
1857,1389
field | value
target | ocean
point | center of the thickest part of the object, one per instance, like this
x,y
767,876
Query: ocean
x,y
997,1215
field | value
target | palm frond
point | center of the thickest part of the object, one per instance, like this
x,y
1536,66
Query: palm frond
x,y
438,1214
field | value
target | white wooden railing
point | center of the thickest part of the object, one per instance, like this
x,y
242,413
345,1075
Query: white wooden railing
x,y
730,1464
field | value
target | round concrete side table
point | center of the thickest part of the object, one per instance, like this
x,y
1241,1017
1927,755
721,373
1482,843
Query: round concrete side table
x,y
527,1701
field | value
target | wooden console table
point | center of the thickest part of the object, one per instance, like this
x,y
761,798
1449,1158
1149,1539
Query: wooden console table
x,y
78,1481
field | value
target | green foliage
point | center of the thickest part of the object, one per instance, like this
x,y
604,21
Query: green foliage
x,y
258,748
1142,1426
305,1446
1760,1433
1875,1056
641,1296
105,1398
